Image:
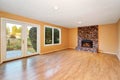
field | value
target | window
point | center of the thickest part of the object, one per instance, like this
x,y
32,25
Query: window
x,y
56,36
48,35
52,35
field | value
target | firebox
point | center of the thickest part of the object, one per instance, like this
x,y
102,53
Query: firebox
x,y
87,43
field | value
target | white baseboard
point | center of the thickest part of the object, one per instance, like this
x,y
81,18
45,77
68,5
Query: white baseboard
x,y
110,53
118,55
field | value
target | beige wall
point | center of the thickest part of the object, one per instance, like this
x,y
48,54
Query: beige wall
x,y
73,34
118,24
108,38
44,49
0,42
119,34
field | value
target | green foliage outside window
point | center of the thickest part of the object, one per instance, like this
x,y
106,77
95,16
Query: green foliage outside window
x,y
56,36
48,35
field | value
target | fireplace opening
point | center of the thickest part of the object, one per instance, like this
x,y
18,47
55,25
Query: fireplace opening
x,y
87,43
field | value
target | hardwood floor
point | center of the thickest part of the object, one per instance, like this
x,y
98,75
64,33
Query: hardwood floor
x,y
63,65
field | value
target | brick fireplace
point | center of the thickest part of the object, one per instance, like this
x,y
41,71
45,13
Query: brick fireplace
x,y
88,38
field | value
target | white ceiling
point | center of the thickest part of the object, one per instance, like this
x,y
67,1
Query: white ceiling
x,y
70,13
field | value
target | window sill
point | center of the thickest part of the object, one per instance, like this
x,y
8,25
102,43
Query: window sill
x,y
52,44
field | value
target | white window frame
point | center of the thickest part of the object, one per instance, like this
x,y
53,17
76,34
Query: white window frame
x,y
46,26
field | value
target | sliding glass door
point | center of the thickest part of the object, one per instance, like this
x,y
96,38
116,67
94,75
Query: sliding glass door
x,y
19,39
31,40
13,40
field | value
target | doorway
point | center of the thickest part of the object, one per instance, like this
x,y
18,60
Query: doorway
x,y
19,39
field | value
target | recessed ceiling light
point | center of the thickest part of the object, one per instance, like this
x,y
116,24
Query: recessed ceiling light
x,y
79,22
56,8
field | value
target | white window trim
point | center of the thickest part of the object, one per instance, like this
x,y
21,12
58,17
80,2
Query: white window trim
x,y
52,35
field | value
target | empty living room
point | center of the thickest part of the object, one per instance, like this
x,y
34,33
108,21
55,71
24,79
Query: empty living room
x,y
59,39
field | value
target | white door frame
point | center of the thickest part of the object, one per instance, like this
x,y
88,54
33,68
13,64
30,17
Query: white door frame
x,y
24,47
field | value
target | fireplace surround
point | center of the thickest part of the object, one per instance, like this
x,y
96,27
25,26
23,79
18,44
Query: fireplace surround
x,y
88,38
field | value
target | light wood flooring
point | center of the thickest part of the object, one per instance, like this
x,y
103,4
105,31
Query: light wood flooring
x,y
63,65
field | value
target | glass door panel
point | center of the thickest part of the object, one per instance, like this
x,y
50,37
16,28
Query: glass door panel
x,y
13,40
31,40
